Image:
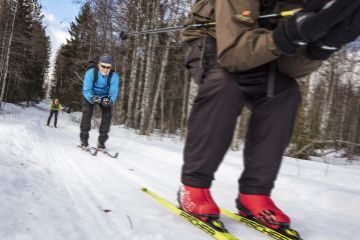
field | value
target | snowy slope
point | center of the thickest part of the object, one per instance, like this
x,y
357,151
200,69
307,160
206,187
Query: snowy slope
x,y
49,189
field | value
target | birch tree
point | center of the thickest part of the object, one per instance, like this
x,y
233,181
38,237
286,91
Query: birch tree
x,y
5,69
134,70
148,72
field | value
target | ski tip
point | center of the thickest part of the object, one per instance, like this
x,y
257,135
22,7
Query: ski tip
x,y
292,234
144,189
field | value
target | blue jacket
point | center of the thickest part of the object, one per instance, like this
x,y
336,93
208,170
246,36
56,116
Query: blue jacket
x,y
100,89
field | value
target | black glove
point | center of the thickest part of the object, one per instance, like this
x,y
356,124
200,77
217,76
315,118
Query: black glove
x,y
311,23
106,102
96,100
345,32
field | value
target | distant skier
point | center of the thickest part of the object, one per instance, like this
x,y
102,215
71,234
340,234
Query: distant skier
x,y
100,87
55,107
247,61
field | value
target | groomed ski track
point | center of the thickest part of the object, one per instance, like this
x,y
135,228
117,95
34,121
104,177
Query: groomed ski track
x,y
50,189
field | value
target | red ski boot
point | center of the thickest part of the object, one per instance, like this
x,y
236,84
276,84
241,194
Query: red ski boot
x,y
263,209
198,202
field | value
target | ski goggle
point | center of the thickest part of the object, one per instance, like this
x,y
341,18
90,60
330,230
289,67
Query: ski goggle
x,y
105,67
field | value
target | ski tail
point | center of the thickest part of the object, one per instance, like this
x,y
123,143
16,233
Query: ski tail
x,y
215,228
279,234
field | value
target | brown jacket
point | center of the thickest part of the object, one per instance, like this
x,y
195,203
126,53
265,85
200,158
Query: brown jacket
x,y
241,43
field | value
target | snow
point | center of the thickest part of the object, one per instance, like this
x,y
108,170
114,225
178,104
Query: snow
x,y
49,189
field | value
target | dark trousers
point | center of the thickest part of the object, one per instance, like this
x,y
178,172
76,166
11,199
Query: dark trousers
x,y
85,124
52,112
220,99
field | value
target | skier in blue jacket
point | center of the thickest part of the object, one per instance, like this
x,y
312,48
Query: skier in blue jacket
x,y
101,85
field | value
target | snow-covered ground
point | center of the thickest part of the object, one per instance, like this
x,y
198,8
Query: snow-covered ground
x,y
50,190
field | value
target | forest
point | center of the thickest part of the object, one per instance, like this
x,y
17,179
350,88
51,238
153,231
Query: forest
x,y
24,52
156,91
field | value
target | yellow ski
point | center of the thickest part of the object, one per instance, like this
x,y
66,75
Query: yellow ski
x,y
283,234
216,229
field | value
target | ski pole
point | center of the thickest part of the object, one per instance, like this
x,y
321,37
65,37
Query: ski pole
x,y
245,14
281,14
124,35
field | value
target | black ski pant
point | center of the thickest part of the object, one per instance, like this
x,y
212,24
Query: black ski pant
x,y
53,112
85,124
220,99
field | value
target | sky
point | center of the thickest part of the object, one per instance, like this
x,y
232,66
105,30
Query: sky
x,y
58,14
50,189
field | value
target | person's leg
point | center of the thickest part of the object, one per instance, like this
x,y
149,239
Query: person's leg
x,y
210,129
50,116
85,124
269,132
56,116
104,126
212,120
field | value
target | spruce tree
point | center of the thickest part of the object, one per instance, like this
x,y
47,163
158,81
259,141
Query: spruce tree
x,y
29,56
73,57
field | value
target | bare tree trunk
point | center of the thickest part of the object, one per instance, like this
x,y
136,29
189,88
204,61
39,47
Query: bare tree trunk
x,y
124,82
235,145
328,100
148,83
308,94
3,52
4,73
133,74
162,104
3,17
127,84
354,133
192,94
2,10
184,113
161,81
140,86
147,86
344,110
